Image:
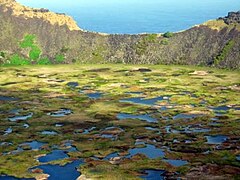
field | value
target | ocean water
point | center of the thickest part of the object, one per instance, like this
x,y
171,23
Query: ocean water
x,y
138,16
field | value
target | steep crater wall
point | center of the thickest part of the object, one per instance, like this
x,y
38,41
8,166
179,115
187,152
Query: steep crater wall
x,y
201,45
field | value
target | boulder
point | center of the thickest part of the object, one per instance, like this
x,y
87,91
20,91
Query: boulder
x,y
115,160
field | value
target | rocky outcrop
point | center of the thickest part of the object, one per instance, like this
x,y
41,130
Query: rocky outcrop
x,y
59,34
44,14
232,17
83,177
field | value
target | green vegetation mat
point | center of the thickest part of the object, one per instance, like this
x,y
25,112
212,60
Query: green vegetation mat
x,y
163,113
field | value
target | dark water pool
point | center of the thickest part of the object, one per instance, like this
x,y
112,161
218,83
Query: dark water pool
x,y
54,155
34,145
150,151
217,139
96,95
144,101
153,175
20,117
67,172
176,163
7,98
143,117
60,113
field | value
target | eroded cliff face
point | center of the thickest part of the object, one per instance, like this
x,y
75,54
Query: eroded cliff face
x,y
18,10
59,34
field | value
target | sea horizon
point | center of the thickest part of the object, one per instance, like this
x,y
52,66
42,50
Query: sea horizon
x,y
138,17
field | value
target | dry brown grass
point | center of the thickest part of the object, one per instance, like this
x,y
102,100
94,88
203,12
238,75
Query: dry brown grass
x,y
27,12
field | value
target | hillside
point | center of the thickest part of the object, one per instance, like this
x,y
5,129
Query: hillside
x,y
58,38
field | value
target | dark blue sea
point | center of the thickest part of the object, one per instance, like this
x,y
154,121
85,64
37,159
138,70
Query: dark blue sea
x,y
138,16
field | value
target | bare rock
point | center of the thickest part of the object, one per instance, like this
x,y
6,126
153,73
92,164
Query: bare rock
x,y
42,177
115,160
83,177
199,73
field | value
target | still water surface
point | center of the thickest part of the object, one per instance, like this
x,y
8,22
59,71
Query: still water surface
x,y
138,16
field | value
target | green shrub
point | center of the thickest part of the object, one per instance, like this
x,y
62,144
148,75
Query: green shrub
x,y
144,42
43,61
164,42
34,53
2,54
168,34
59,58
95,54
222,55
17,60
28,41
151,38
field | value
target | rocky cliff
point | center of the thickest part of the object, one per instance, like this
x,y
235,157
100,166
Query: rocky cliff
x,y
214,43
232,18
